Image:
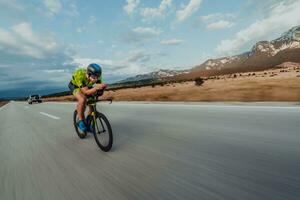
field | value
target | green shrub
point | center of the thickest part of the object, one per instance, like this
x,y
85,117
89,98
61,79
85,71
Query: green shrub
x,y
199,81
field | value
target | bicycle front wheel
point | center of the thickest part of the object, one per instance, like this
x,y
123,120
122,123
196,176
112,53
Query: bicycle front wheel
x,y
103,132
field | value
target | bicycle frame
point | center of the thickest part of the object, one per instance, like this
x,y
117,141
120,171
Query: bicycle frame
x,y
93,103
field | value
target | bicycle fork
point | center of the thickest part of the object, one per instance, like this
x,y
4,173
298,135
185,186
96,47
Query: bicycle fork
x,y
95,124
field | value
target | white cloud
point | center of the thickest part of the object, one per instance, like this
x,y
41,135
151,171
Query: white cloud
x,y
6,38
140,35
188,10
146,31
83,62
12,4
172,42
280,18
131,63
54,6
25,54
137,56
92,19
21,40
216,17
72,10
51,71
111,67
152,13
216,21
222,24
39,45
81,29
209,17
131,6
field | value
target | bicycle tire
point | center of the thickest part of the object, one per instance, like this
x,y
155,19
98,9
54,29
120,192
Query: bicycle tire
x,y
81,135
96,132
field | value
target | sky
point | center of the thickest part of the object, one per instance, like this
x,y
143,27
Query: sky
x,y
43,42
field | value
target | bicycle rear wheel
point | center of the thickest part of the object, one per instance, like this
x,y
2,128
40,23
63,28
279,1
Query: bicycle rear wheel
x,y
80,133
103,132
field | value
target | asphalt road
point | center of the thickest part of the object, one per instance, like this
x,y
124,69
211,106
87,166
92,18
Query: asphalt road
x,y
161,151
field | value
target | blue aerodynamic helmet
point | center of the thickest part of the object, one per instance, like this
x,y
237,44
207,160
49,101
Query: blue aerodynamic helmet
x,y
94,69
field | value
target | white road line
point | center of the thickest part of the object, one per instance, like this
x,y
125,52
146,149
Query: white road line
x,y
26,107
48,115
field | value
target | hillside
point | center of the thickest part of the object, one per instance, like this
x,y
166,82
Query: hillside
x,y
263,55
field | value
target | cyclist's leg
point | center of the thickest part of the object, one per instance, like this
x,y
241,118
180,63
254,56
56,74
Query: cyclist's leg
x,y
90,110
80,98
89,119
81,104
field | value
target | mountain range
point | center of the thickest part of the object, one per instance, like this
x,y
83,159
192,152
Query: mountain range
x,y
263,55
156,75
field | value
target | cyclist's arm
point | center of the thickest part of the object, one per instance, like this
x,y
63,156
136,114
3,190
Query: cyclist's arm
x,y
87,91
100,84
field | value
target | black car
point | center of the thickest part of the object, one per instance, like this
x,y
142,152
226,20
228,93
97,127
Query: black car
x,y
34,98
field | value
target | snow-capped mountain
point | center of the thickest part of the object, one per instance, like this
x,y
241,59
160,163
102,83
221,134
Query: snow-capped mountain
x,y
264,54
156,75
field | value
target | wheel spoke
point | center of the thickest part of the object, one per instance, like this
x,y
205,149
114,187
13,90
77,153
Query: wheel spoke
x,y
103,128
103,133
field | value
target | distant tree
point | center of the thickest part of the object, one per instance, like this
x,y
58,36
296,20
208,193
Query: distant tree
x,y
199,81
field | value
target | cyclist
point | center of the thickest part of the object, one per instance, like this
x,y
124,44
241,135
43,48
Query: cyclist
x,y
86,82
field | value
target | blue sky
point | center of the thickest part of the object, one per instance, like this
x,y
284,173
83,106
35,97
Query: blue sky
x,y
43,42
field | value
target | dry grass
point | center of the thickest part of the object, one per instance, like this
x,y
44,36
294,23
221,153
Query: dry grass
x,y
2,103
280,84
63,98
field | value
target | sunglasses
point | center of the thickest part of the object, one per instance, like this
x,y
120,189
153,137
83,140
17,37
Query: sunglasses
x,y
93,76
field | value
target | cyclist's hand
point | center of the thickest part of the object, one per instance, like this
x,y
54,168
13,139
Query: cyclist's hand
x,y
104,85
98,86
101,86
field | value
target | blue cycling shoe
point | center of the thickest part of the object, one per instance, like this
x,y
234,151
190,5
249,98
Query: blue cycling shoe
x,y
81,125
88,120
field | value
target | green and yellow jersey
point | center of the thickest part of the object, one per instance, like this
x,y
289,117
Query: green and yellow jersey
x,y
79,80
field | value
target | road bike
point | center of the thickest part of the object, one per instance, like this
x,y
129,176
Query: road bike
x,y
98,125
